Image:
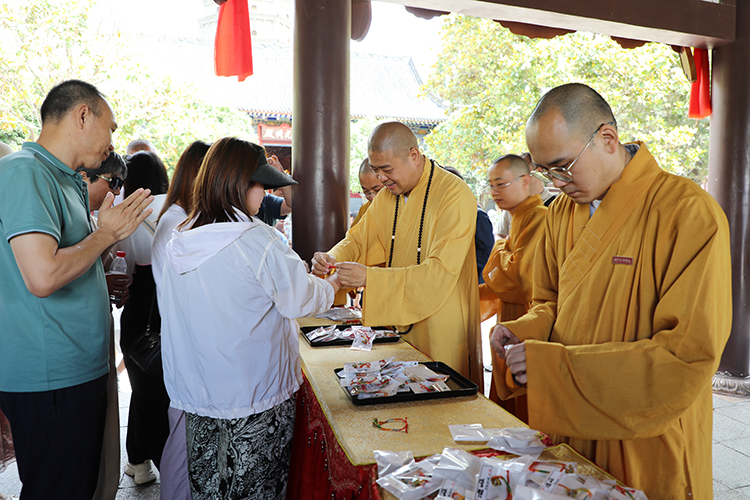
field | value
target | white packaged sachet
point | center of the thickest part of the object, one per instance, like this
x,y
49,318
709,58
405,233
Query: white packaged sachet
x,y
390,461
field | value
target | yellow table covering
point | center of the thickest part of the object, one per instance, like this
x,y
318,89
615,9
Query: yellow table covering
x,y
428,420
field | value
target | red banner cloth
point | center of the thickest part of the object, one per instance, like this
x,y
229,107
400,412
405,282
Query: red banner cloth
x,y
233,51
319,469
700,92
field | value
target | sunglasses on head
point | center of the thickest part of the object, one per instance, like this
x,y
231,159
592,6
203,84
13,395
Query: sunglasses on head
x,y
115,182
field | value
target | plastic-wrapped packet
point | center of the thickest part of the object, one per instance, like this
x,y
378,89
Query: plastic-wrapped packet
x,y
368,378
458,466
390,461
419,373
449,490
516,440
366,366
617,492
379,389
324,331
427,387
341,314
363,339
471,433
413,481
527,493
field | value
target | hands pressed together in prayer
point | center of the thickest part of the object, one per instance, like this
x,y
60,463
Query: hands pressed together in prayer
x,y
123,219
350,274
515,355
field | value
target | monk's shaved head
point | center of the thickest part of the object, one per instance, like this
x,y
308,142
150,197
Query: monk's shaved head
x,y
513,164
364,168
582,108
392,136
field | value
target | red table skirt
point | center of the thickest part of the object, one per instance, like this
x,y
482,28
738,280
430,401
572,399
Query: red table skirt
x,y
319,468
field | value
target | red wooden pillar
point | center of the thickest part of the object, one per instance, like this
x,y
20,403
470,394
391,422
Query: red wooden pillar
x,y
320,124
729,183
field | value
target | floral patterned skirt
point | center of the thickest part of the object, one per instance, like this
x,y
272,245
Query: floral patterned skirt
x,y
233,459
7,455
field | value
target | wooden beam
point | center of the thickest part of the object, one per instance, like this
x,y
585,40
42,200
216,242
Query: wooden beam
x,y
690,23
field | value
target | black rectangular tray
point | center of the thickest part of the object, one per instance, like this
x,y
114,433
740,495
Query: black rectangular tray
x,y
315,343
459,385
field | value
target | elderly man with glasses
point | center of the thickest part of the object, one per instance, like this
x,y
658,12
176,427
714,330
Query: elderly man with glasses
x,y
631,303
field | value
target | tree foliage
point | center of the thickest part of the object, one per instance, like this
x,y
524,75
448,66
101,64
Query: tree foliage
x,y
48,41
493,79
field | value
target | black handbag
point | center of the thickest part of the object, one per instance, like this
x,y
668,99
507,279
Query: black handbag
x,y
145,351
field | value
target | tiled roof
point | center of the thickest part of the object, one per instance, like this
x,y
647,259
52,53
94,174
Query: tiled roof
x,y
381,86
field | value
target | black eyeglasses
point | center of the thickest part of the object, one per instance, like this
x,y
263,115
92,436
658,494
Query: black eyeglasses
x,y
563,173
115,182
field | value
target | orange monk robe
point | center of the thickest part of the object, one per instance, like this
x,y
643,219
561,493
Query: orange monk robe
x,y
508,274
440,295
343,293
361,213
632,309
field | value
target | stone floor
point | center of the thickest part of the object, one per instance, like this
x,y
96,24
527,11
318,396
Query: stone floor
x,y
731,451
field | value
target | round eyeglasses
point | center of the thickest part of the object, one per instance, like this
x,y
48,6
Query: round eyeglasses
x,y
563,173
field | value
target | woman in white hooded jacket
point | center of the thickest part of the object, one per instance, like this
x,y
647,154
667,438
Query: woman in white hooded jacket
x,y
230,292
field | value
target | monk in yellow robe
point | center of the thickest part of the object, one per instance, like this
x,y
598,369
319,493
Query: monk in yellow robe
x,y
370,185
632,304
422,232
508,270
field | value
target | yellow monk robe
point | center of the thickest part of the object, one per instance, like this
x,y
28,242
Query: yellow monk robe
x,y
342,294
361,213
632,309
440,295
508,274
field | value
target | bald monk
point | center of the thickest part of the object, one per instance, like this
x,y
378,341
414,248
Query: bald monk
x,y
632,303
370,185
508,270
428,286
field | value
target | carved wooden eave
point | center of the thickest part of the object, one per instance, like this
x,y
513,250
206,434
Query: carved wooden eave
x,y
687,23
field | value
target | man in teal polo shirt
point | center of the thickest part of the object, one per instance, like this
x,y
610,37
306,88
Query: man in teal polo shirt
x,y
54,307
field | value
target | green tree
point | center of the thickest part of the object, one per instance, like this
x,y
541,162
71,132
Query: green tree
x,y
493,79
47,41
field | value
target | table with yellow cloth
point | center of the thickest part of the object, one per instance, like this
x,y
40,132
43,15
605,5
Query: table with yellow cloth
x,y
334,439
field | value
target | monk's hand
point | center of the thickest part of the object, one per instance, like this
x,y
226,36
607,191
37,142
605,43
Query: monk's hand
x,y
515,358
322,264
123,219
352,274
500,338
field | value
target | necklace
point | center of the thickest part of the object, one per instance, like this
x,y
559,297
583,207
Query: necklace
x,y
421,226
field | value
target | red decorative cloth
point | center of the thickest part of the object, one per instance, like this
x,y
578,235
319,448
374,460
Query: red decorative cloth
x,y
700,92
319,468
233,52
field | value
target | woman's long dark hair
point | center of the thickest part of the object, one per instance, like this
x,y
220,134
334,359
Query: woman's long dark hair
x,y
223,181
181,188
146,170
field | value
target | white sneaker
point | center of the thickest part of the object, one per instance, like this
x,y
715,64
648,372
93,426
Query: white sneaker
x,y
141,473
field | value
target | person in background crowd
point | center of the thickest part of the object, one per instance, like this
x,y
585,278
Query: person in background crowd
x,y
108,178
140,145
484,239
173,473
230,292
370,185
275,207
632,303
148,425
537,187
508,273
53,364
428,286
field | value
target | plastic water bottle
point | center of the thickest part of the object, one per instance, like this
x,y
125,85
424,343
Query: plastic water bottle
x,y
118,266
